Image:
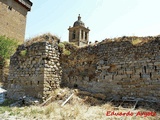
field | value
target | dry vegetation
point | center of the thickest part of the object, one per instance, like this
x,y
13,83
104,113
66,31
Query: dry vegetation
x,y
42,38
134,40
80,107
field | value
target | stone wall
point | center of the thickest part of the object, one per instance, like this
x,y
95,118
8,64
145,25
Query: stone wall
x,y
116,69
34,70
13,19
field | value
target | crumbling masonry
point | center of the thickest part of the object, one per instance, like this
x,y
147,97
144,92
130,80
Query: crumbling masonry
x,y
115,68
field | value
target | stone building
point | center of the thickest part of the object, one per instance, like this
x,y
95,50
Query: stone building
x,y
13,18
79,34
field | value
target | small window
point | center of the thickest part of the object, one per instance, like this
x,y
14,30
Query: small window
x,y
74,34
82,34
85,35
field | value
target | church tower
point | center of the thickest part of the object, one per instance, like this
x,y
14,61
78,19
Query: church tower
x,y
79,34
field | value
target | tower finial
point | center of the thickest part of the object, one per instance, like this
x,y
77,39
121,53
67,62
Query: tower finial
x,y
79,17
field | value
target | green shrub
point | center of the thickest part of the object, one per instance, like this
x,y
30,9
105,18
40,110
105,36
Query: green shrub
x,y
7,47
61,45
66,52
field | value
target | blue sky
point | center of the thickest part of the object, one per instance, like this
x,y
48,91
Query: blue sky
x,y
105,18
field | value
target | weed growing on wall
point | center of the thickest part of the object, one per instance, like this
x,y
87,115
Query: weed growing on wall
x,y
64,50
23,53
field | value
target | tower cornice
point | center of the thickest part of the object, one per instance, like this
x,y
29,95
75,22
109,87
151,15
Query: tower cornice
x,y
25,3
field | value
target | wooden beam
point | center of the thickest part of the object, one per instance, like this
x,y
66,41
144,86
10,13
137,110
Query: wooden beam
x,y
67,99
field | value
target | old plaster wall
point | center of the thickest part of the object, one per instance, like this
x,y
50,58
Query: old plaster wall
x,y
34,70
116,69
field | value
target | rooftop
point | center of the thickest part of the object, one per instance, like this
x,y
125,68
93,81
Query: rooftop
x,y
78,22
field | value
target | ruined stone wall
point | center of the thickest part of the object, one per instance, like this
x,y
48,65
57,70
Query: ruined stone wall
x,y
34,70
12,19
116,69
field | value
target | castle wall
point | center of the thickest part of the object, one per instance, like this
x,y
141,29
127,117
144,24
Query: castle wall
x,y
34,71
13,19
116,69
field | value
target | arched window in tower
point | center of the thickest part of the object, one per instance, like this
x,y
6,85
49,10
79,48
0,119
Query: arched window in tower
x,y
85,35
74,34
82,34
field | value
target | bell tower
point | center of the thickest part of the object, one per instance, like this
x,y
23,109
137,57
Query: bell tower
x,y
79,34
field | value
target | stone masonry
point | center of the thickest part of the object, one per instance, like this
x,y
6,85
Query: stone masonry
x,y
34,70
117,69
114,68
13,18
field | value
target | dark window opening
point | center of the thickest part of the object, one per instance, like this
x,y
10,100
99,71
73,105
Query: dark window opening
x,y
82,34
74,34
85,35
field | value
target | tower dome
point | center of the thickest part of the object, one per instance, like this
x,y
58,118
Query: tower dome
x,y
79,34
79,22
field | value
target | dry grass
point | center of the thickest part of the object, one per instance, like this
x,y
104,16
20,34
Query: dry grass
x,y
42,38
74,111
78,108
136,41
